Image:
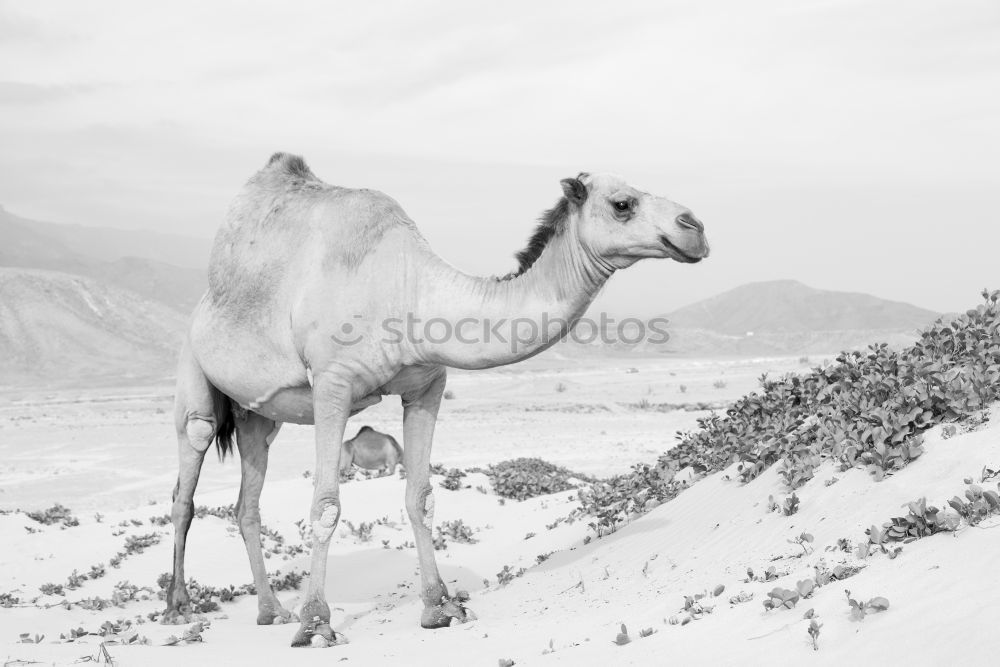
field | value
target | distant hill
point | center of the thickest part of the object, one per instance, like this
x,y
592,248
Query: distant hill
x,y
62,328
162,267
789,307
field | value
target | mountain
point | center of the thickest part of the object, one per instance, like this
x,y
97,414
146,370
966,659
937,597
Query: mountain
x,y
162,267
789,307
62,328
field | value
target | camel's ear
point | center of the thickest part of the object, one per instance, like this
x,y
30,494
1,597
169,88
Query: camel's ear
x,y
575,190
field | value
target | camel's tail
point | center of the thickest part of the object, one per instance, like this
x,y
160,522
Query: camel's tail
x,y
225,422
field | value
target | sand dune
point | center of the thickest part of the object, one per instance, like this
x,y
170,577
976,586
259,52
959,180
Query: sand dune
x,y
576,589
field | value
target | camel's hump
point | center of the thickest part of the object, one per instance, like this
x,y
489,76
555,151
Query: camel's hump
x,y
293,165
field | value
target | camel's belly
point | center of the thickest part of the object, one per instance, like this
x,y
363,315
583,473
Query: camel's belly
x,y
289,404
295,405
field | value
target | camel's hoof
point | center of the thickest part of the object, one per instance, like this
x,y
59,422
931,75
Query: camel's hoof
x,y
180,617
317,635
277,616
449,612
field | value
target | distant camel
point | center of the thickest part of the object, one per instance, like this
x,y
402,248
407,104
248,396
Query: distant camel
x,y
305,278
371,450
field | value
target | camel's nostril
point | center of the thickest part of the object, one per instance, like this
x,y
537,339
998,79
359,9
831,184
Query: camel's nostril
x,y
689,221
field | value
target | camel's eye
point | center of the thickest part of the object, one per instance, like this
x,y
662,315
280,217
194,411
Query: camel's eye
x,y
621,206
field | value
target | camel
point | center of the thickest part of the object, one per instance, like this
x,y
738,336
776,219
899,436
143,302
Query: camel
x,y
309,284
371,450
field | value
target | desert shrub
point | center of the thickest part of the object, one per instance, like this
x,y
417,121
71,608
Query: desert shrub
x,y
452,480
867,409
361,532
508,574
52,589
525,478
75,580
614,500
53,515
136,544
449,395
224,512
457,531
923,520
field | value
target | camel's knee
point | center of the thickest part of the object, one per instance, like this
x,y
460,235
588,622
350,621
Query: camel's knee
x,y
248,519
420,507
199,433
327,514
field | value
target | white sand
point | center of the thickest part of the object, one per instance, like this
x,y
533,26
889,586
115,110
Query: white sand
x,y
942,589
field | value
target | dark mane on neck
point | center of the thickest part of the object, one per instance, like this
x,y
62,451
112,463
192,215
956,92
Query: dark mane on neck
x,y
551,224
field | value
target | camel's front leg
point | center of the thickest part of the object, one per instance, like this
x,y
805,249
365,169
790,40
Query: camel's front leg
x,y
331,406
419,416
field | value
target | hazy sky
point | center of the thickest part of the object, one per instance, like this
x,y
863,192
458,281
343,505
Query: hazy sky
x,y
850,145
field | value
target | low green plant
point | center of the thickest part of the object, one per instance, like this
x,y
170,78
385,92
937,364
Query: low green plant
x,y
791,505
453,479
867,409
456,531
782,598
803,540
523,478
52,589
57,514
813,630
136,544
861,609
508,574
361,532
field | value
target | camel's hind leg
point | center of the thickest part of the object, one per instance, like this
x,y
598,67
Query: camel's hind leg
x,y
196,424
253,438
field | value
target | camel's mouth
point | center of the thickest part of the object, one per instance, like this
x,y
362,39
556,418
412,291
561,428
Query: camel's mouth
x,y
676,253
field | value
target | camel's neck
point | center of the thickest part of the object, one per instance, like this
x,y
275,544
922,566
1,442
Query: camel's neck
x,y
497,322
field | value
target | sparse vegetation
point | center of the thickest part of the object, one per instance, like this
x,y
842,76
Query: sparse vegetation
x,y
508,574
361,532
455,531
453,480
525,478
57,514
136,544
861,609
868,409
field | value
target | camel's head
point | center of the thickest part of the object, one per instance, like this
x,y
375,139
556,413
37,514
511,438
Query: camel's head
x,y
622,224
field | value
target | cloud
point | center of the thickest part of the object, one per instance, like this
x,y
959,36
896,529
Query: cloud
x,y
779,123
16,92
